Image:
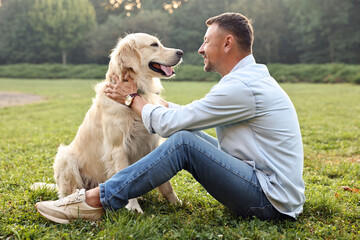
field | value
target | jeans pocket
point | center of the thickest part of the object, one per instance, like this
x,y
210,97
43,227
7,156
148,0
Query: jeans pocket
x,y
268,212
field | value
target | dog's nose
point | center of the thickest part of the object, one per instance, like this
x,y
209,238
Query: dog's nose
x,y
179,53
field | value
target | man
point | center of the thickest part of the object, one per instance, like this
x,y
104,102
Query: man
x,y
254,167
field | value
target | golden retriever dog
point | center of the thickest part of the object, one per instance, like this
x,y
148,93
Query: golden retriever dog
x,y
112,136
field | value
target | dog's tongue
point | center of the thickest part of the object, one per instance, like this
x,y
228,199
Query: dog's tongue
x,y
167,70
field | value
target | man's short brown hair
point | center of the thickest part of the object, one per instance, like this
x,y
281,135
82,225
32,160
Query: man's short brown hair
x,y
237,24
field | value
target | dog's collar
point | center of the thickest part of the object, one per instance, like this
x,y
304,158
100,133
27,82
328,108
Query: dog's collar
x,y
141,92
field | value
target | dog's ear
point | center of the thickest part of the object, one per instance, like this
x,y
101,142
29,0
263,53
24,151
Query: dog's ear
x,y
129,57
124,58
113,68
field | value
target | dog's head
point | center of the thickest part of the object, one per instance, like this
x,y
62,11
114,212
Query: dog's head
x,y
142,56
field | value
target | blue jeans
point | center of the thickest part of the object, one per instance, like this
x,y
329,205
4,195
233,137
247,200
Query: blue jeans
x,y
229,180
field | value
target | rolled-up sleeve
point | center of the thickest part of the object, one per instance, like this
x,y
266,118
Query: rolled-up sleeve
x,y
226,103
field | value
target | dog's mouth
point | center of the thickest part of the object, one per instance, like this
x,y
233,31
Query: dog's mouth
x,y
163,69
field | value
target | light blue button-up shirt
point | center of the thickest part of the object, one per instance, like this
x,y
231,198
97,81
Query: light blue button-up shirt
x,y
255,121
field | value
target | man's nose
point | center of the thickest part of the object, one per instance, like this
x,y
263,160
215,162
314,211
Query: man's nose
x,y
201,49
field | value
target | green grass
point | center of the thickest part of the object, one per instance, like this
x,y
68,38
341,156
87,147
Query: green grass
x,y
329,117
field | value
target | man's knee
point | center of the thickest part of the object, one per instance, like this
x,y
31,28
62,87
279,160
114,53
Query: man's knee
x,y
182,136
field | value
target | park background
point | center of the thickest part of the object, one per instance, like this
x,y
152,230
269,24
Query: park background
x,y
58,49
289,35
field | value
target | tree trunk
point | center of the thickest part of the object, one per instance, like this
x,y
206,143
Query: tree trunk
x,y
64,56
331,48
268,50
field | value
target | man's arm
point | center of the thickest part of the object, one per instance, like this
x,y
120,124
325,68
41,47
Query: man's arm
x,y
224,104
138,105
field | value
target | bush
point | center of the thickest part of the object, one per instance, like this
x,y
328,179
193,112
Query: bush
x,y
312,73
356,78
315,73
194,73
53,71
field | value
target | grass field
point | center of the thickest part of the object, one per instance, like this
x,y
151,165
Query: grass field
x,y
330,122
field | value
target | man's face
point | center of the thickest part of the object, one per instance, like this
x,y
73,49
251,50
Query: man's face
x,y
211,48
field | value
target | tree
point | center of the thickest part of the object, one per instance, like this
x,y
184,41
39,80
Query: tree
x,y
103,38
188,23
62,23
269,26
287,31
17,40
105,8
326,29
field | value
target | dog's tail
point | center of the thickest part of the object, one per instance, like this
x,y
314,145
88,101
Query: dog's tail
x,y
66,172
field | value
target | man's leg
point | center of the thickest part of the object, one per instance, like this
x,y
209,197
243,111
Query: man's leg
x,y
212,140
93,195
230,180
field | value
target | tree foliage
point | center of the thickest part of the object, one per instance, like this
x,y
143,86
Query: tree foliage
x,y
61,23
43,30
188,23
286,31
103,37
268,29
326,29
17,40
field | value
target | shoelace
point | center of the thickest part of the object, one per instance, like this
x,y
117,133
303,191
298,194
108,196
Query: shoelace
x,y
71,198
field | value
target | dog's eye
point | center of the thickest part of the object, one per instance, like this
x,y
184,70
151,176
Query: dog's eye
x,y
155,44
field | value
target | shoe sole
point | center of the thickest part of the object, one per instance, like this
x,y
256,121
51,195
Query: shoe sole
x,y
51,218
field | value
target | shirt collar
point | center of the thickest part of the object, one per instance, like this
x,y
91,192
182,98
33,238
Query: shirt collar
x,y
243,62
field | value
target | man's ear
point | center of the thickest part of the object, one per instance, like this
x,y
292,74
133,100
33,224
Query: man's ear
x,y
129,57
229,43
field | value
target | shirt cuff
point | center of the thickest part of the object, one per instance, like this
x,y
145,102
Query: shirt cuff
x,y
146,117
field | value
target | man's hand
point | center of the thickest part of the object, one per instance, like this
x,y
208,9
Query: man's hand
x,y
118,90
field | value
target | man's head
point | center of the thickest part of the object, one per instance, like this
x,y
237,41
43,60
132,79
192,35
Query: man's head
x,y
229,37
237,24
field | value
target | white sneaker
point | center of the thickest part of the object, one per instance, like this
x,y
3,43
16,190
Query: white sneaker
x,y
69,208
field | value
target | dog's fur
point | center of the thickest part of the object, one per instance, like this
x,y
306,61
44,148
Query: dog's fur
x,y
112,136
